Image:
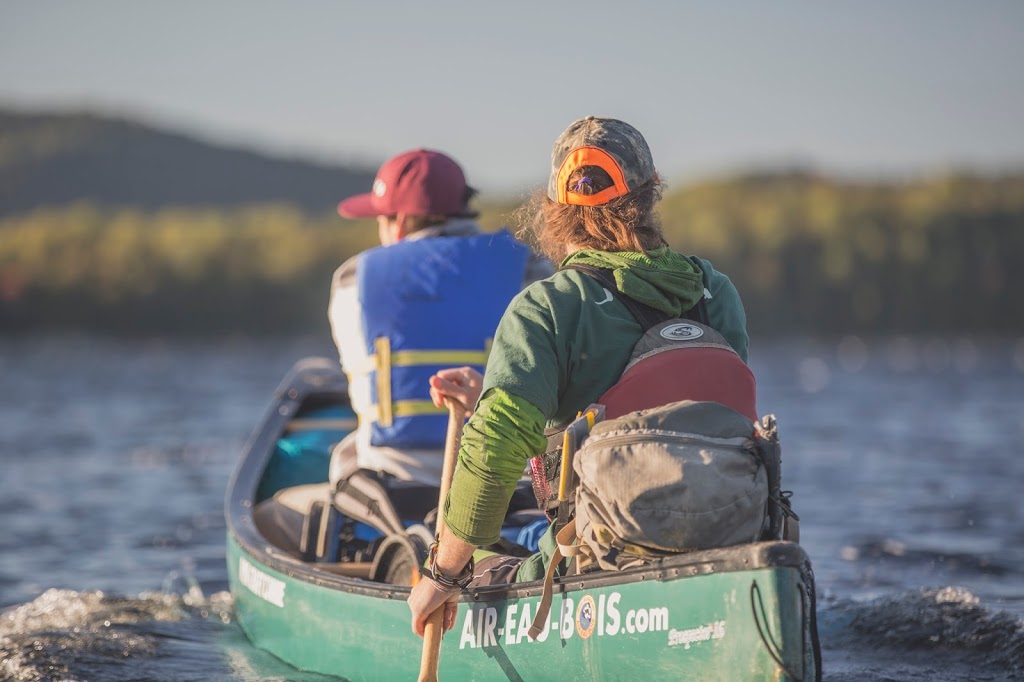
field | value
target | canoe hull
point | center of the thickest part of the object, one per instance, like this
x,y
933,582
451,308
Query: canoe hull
x,y
730,626
739,613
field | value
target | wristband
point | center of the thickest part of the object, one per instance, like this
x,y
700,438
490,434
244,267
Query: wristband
x,y
459,582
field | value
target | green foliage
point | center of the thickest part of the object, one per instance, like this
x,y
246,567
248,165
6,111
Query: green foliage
x,y
264,268
806,253
810,254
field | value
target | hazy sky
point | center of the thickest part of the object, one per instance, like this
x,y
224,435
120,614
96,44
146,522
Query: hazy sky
x,y
852,87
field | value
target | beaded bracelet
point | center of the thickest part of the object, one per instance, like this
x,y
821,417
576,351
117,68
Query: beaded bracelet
x,y
459,582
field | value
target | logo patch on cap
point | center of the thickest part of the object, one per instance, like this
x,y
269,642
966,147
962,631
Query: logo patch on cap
x,y
682,332
379,187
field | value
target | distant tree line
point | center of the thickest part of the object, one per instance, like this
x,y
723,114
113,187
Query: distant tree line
x,y
262,269
943,254
808,254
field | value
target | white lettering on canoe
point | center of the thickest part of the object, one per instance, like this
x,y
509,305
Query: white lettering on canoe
x,y
523,632
510,623
259,583
568,625
647,620
703,633
490,620
612,626
480,624
468,637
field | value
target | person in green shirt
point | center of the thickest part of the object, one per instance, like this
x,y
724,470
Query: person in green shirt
x,y
563,341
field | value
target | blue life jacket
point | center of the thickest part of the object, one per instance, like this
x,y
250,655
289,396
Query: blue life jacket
x,y
429,304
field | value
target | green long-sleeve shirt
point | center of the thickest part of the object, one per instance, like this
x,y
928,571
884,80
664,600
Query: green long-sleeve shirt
x,y
560,345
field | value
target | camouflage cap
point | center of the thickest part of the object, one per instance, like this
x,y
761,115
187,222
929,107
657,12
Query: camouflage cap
x,y
613,145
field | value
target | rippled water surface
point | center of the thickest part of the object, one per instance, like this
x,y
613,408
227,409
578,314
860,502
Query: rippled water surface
x,y
905,456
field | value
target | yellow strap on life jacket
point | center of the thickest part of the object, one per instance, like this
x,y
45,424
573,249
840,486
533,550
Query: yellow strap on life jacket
x,y
411,408
411,358
383,360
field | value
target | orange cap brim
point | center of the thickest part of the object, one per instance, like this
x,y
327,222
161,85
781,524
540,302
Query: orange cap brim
x,y
590,156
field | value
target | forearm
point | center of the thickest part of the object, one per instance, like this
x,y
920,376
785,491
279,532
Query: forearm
x,y
452,553
502,435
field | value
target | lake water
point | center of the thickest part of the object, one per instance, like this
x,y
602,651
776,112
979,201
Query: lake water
x,y
905,457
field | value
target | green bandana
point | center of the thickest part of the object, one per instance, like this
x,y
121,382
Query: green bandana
x,y
665,280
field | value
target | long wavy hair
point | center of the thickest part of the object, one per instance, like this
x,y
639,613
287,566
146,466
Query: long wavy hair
x,y
627,223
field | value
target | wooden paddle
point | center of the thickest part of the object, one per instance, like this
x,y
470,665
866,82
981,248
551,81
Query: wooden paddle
x,y
435,623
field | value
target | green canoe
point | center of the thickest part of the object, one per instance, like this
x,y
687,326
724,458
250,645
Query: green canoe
x,y
740,613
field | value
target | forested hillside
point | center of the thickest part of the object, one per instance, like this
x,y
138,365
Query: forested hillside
x,y
57,159
809,253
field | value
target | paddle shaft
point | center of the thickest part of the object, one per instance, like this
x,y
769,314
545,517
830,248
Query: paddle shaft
x,y
435,623
452,441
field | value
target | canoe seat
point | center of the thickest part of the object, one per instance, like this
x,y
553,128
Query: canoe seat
x,y
290,520
301,521
300,498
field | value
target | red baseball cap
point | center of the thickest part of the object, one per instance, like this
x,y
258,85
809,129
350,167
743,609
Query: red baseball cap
x,y
417,182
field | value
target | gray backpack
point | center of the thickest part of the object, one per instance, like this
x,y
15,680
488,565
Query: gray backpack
x,y
684,476
675,478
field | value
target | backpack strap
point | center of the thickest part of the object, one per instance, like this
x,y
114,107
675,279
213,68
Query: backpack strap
x,y
364,499
641,312
782,520
644,314
568,546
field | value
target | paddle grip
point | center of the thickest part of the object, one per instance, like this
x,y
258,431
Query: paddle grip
x,y
432,645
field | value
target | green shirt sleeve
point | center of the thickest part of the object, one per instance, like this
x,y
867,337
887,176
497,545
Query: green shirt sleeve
x,y
503,433
524,357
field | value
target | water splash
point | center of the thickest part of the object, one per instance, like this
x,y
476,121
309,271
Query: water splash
x,y
946,622
78,636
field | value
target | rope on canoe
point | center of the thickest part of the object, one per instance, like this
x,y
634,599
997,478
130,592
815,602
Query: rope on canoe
x,y
766,636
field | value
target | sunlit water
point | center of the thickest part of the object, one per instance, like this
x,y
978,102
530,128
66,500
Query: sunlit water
x,y
905,456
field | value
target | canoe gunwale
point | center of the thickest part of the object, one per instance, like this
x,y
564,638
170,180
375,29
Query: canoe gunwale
x,y
322,378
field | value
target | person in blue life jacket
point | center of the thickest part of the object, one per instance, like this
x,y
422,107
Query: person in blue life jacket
x,y
563,342
428,298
